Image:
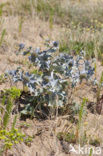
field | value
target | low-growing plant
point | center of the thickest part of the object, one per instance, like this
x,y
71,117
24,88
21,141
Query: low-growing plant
x,y
64,47
68,137
24,125
95,142
2,78
9,96
28,140
54,76
76,47
11,138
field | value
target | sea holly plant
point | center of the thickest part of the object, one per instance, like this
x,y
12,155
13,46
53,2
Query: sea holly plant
x,y
55,73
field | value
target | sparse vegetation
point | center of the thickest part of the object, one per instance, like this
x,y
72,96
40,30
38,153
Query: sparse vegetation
x,y
12,136
68,137
53,97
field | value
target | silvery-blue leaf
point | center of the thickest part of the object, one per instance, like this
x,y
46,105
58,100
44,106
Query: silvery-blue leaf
x,y
53,83
62,81
31,89
60,103
83,73
56,44
71,63
37,50
51,50
95,82
87,63
21,46
90,72
25,112
27,74
36,93
15,79
32,58
13,72
83,53
94,60
32,81
102,84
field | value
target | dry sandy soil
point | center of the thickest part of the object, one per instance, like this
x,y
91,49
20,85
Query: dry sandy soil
x,y
45,143
33,34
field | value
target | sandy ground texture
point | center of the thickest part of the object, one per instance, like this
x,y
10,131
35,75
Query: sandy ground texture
x,y
45,143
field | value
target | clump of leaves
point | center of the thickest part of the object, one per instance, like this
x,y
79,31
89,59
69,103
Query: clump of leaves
x,y
13,93
28,140
68,137
94,142
8,98
64,47
77,46
75,108
11,137
50,85
2,78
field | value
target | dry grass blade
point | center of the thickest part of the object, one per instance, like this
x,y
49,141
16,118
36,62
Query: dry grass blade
x,y
99,105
